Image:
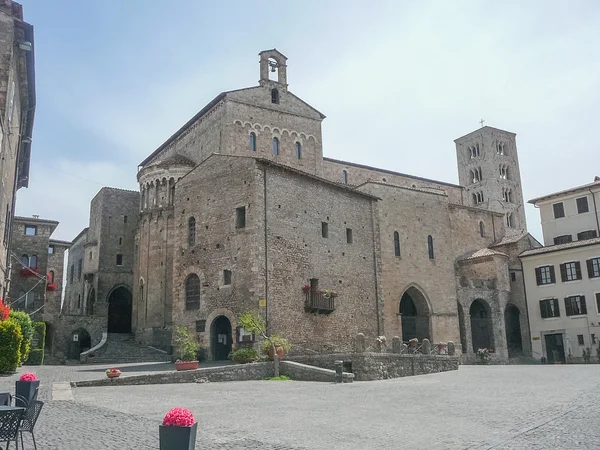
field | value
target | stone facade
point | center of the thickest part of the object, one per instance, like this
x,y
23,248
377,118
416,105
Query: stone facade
x,y
406,255
17,106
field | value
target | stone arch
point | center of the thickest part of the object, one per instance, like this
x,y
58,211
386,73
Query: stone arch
x,y
415,312
482,329
80,342
238,122
210,321
120,306
512,326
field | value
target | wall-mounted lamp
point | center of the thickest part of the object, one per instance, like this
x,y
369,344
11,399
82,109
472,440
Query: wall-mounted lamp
x,y
25,45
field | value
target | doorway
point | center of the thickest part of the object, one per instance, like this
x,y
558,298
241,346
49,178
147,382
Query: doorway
x,y
80,342
481,325
119,311
414,315
221,338
555,348
512,324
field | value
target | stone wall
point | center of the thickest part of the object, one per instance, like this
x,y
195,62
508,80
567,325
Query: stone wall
x,y
379,366
74,285
303,372
69,324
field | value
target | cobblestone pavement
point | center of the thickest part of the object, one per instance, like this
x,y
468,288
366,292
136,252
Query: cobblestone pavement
x,y
489,407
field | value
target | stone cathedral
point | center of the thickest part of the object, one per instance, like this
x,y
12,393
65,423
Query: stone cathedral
x,y
239,210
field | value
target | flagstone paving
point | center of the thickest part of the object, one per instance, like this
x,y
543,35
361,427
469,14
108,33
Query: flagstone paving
x,y
499,407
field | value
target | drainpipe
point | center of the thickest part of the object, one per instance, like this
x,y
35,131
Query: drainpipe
x,y
595,211
266,252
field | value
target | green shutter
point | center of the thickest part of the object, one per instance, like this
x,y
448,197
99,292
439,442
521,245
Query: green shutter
x,y
583,305
578,270
563,273
543,308
568,308
552,275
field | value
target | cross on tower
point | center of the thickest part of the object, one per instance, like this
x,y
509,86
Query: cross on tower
x,y
481,122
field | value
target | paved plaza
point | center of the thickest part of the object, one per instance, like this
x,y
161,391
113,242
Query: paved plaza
x,y
489,407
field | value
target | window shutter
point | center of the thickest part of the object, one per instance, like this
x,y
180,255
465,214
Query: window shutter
x,y
556,308
538,276
583,305
543,309
578,270
552,275
568,309
563,272
590,268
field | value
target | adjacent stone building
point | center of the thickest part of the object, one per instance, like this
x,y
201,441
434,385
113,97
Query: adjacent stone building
x,y
17,107
240,210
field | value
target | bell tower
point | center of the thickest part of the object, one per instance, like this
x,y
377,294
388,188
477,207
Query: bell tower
x,y
274,62
488,168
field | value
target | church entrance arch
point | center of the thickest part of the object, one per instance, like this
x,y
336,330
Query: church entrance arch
x,y
80,342
221,339
119,310
512,323
481,325
414,315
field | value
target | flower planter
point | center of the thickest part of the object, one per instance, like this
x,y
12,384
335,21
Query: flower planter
x,y
26,392
186,365
280,353
177,438
113,374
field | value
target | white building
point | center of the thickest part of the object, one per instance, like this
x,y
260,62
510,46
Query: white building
x,y
562,280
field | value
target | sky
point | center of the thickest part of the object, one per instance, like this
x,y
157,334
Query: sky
x,y
398,81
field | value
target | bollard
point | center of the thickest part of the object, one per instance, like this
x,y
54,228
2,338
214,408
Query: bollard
x,y
396,344
339,370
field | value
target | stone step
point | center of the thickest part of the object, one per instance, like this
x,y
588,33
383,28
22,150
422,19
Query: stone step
x,y
121,348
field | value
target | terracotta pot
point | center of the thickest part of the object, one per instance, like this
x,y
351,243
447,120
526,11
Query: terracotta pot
x,y
280,353
186,365
113,374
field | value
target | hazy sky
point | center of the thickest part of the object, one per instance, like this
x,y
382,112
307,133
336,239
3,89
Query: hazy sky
x,y
397,80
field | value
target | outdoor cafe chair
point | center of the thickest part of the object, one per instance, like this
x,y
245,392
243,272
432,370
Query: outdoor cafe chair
x,y
5,398
29,419
10,421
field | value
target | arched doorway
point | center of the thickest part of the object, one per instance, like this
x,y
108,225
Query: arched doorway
x,y
221,338
512,323
119,311
80,342
481,325
414,315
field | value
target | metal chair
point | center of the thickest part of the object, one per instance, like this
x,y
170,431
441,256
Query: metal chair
x,y
10,421
29,419
5,398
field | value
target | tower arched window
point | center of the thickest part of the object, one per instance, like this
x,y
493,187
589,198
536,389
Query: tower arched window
x,y
191,232
345,176
430,247
275,146
298,150
33,261
482,229
274,96
253,141
25,261
192,292
396,244
50,277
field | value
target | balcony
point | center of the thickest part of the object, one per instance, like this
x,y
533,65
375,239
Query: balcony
x,y
319,302
26,272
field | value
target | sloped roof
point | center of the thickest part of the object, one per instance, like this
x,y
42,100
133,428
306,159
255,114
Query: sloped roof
x,y
559,247
482,253
510,239
176,159
595,183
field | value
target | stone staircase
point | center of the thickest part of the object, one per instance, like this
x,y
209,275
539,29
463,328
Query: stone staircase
x,y
121,348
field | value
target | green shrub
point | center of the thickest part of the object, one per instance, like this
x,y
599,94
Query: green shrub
x,y
10,345
186,345
279,378
201,354
24,321
278,341
36,357
244,355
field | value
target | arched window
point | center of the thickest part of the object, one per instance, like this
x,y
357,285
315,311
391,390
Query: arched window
x,y
482,229
430,246
253,141
396,244
25,261
275,146
33,261
345,176
50,277
191,232
298,150
274,96
192,292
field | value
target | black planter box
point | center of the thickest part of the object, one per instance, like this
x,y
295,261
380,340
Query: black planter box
x,y
177,438
26,392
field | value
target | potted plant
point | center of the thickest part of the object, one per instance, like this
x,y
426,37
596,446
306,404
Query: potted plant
x,y
26,389
413,342
306,289
113,373
442,348
276,344
187,348
178,430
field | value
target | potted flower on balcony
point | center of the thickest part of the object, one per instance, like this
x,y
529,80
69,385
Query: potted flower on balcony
x,y
187,348
413,342
113,373
26,389
51,287
306,289
178,430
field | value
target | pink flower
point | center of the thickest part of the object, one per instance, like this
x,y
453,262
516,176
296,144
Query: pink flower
x,y
28,376
179,417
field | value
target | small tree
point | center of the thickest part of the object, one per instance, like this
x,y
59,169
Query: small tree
x,y
186,346
251,321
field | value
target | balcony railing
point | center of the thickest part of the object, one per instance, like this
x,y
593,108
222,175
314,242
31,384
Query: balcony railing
x,y
319,302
